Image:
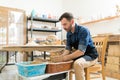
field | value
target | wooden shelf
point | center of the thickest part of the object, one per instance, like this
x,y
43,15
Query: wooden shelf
x,y
44,20
44,76
45,30
104,19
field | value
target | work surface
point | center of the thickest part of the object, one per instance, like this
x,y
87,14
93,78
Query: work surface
x,y
29,48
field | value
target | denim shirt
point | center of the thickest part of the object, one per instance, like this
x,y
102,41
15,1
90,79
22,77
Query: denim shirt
x,y
81,40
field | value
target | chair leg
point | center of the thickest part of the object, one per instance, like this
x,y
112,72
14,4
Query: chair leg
x,y
70,75
87,74
103,74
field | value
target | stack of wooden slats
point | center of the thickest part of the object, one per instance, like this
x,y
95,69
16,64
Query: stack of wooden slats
x,y
113,61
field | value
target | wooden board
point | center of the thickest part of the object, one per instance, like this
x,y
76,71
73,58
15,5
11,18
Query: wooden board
x,y
114,50
113,60
115,75
113,67
29,48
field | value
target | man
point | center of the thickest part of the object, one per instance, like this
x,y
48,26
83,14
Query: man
x,y
78,37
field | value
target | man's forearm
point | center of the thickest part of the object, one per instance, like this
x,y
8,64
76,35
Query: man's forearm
x,y
73,55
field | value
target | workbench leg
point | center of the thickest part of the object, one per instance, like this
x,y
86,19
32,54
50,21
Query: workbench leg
x,y
44,54
7,59
32,56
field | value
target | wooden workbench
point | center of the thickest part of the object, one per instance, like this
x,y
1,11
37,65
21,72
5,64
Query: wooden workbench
x,y
30,48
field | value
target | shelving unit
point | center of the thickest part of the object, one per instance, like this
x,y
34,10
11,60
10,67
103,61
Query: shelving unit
x,y
44,20
44,30
53,21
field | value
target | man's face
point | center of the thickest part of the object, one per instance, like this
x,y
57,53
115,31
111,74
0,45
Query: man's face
x,y
66,24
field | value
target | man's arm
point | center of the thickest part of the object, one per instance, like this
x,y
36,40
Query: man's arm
x,y
73,55
83,43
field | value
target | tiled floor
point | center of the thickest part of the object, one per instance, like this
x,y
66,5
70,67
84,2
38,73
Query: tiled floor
x,y
10,73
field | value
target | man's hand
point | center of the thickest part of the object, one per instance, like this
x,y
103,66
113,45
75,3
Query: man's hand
x,y
57,59
66,52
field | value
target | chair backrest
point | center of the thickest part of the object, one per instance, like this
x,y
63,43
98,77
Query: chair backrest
x,y
100,43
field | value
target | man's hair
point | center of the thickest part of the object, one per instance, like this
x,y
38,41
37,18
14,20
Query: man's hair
x,y
66,15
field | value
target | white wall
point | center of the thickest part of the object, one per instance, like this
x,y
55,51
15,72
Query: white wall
x,y
94,9
108,27
41,6
53,7
86,9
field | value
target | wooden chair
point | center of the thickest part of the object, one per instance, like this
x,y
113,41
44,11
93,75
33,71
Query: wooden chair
x,y
100,44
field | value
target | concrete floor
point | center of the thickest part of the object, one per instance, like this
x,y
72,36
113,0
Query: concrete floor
x,y
10,73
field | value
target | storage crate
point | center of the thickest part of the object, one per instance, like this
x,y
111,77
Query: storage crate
x,y
58,67
29,70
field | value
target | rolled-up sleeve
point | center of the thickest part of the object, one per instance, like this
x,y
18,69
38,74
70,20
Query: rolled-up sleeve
x,y
68,48
84,40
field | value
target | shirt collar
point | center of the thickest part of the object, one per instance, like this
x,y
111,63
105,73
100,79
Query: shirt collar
x,y
76,30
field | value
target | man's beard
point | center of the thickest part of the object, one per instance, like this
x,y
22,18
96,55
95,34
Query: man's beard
x,y
70,28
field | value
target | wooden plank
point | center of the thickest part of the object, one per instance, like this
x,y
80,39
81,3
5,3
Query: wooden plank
x,y
113,67
112,74
25,28
114,38
8,8
32,46
113,60
114,50
29,48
